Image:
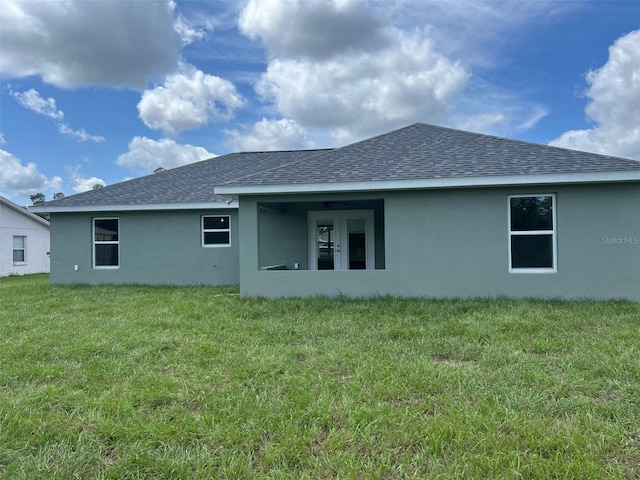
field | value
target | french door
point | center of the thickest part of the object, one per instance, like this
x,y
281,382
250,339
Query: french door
x,y
341,240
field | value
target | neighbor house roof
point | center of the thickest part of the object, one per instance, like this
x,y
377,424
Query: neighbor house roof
x,y
417,156
423,156
186,187
23,211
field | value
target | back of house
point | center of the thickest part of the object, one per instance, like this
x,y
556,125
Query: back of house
x,y
419,211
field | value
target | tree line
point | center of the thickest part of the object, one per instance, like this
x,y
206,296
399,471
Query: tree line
x,y
38,198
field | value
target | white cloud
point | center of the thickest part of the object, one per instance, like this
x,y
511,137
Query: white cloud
x,y
483,122
146,154
196,25
2,140
80,134
357,68
614,107
356,95
475,31
340,65
486,108
79,43
535,114
32,100
55,184
188,33
82,184
320,28
188,100
16,178
283,134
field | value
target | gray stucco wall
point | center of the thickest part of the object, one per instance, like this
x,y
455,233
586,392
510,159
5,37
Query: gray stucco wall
x,y
454,243
283,238
156,247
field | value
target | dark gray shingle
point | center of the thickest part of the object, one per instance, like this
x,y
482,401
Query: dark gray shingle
x,y
416,152
423,151
191,183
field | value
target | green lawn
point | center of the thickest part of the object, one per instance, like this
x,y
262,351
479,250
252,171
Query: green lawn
x,y
162,382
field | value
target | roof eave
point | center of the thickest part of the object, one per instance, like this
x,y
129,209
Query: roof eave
x,y
22,211
449,182
231,204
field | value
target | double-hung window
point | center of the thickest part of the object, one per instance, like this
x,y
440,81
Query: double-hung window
x,y
19,249
106,243
216,231
532,234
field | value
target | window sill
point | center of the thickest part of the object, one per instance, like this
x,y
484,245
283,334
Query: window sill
x,y
532,270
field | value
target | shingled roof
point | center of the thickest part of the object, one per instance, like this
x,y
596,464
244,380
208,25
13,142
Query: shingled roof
x,y
422,152
189,186
417,156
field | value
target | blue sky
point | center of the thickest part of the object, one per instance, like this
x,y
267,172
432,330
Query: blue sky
x,y
105,90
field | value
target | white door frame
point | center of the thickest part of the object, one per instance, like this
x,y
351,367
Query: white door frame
x,y
340,220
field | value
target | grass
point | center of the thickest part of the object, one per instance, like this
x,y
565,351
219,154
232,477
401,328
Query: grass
x,y
128,382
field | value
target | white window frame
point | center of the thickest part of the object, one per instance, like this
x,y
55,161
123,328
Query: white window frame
x,y
24,249
215,230
553,233
109,242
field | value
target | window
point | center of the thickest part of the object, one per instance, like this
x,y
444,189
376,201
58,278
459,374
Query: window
x,y
19,249
216,231
532,233
106,243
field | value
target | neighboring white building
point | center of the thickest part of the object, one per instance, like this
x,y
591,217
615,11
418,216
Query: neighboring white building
x,y
24,241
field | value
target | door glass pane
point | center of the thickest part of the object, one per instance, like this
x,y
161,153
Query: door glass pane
x,y
325,244
357,244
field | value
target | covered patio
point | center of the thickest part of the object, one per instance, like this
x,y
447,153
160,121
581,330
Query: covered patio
x,y
336,234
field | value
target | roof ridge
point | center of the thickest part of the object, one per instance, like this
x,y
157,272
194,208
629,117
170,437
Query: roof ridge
x,y
230,182
323,150
253,152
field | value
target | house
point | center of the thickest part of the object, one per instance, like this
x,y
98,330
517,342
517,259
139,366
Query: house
x,y
24,241
419,211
